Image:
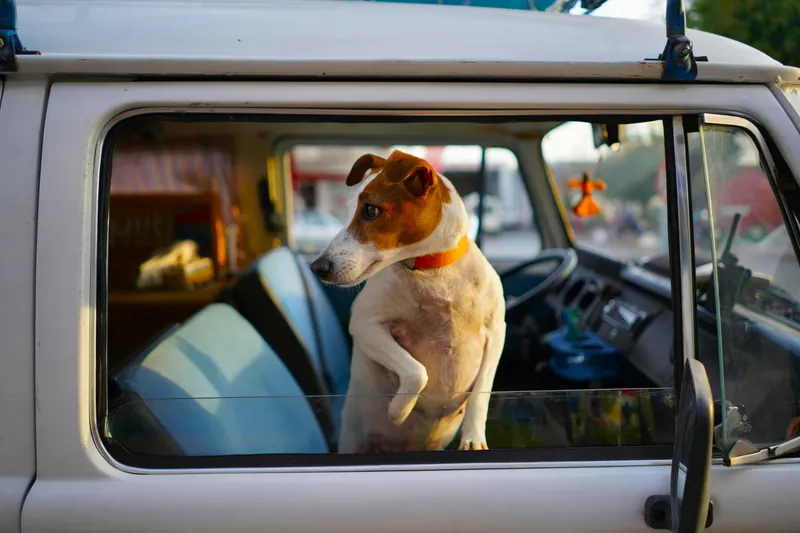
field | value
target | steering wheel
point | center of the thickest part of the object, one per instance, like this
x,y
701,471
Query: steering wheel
x,y
567,261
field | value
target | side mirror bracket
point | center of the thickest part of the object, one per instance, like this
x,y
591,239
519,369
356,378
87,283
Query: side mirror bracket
x,y
658,512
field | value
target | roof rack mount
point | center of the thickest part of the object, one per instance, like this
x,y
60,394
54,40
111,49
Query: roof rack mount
x,y
10,45
680,63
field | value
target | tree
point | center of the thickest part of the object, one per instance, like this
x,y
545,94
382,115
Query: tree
x,y
772,26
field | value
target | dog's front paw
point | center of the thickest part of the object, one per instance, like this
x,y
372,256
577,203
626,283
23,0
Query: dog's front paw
x,y
411,385
473,443
400,407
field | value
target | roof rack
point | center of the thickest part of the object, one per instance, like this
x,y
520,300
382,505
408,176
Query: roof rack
x,y
10,45
680,63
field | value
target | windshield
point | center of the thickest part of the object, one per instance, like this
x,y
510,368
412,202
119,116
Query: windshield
x,y
632,223
312,218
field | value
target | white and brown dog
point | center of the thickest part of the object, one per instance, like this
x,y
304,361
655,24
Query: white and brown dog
x,y
430,319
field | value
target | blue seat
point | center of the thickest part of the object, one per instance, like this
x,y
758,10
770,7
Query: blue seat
x,y
280,273
333,343
301,295
216,388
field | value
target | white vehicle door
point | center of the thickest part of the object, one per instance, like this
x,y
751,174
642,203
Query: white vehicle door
x,y
84,484
21,111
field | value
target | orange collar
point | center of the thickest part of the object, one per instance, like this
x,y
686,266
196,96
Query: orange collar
x,y
440,259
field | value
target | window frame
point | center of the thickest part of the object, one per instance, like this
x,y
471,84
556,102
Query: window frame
x,y
124,459
684,321
680,233
779,175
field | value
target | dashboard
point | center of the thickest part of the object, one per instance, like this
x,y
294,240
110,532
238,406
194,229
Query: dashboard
x,y
625,312
630,308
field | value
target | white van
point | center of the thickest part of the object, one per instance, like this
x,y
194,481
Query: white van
x,y
634,392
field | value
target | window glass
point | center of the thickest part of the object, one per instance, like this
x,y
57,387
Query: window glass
x,y
221,342
754,287
516,421
632,223
508,231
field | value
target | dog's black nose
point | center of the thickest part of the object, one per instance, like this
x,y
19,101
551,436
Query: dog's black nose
x,y
321,266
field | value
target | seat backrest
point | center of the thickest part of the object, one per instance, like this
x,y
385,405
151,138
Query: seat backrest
x,y
217,388
259,304
332,342
302,297
301,294
281,275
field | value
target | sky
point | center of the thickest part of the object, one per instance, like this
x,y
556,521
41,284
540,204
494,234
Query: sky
x,y
573,142
631,9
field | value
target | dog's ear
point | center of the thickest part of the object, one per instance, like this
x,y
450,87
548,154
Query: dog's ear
x,y
361,166
419,180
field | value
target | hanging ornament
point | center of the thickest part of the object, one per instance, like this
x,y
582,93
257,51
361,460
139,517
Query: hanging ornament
x,y
587,206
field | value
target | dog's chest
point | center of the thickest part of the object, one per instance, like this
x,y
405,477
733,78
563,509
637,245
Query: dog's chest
x,y
440,314
441,323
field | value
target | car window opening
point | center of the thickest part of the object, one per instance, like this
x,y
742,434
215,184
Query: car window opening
x,y
223,343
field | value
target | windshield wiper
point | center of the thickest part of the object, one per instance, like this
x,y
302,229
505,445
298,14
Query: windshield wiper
x,y
744,453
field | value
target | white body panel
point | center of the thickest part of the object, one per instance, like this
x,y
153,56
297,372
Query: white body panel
x,y
285,38
78,489
21,112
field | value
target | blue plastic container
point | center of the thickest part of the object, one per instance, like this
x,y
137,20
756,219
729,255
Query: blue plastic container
x,y
583,356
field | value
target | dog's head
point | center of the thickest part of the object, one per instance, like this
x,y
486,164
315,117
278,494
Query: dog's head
x,y
403,209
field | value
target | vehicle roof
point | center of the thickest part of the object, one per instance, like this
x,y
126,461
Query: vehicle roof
x,y
314,38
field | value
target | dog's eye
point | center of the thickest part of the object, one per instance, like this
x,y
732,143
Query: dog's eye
x,y
371,212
